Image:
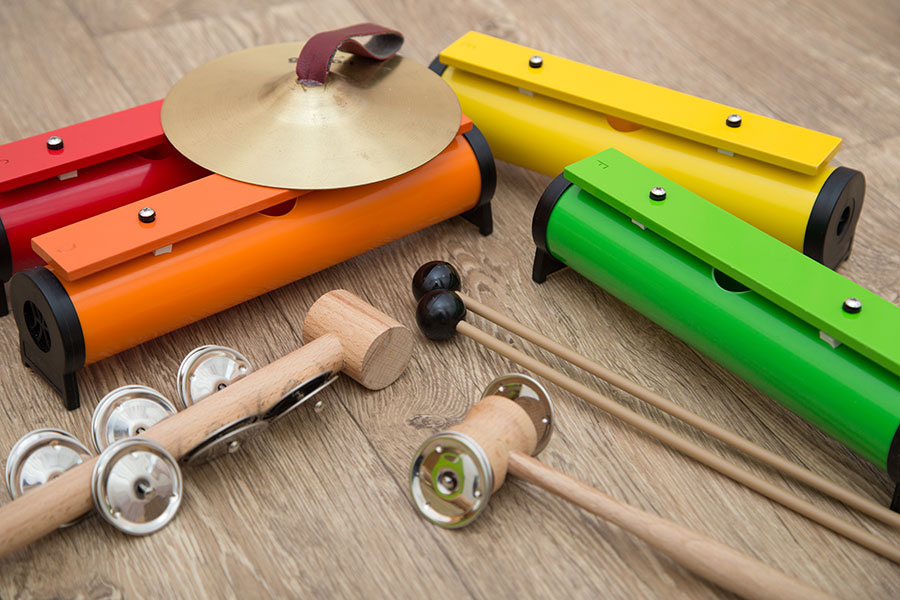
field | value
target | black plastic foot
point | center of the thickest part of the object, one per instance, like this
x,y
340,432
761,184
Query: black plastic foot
x,y
895,503
437,66
50,337
544,264
65,384
481,214
482,217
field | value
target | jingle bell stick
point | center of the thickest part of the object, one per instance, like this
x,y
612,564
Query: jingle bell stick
x,y
442,275
440,314
341,333
498,436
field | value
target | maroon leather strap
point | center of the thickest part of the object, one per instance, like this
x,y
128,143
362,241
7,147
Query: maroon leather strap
x,y
315,58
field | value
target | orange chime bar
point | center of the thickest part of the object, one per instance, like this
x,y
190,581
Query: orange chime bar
x,y
147,268
72,173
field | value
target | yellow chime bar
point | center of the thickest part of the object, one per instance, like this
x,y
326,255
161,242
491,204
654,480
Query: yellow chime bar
x,y
697,119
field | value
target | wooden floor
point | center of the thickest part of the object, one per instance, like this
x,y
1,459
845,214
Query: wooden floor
x,y
319,506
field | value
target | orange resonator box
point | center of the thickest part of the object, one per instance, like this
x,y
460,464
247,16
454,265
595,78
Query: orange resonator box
x,y
147,268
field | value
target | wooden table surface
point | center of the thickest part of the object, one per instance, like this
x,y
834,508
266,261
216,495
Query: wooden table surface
x,y
319,506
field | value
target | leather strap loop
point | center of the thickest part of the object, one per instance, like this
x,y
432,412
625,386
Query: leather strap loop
x,y
315,58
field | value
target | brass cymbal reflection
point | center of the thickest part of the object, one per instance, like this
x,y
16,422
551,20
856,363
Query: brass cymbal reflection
x,y
246,116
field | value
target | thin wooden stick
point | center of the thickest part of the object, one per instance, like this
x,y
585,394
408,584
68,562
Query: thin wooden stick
x,y
864,505
784,497
717,562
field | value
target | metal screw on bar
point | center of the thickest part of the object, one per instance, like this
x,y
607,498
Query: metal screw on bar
x,y
734,120
852,305
658,193
536,62
147,215
54,142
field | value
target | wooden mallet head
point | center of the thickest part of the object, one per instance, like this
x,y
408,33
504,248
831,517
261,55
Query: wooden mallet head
x,y
376,348
454,473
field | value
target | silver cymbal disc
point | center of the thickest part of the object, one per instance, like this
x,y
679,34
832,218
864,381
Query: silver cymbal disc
x,y
126,412
532,397
451,479
300,394
207,370
227,440
40,456
137,486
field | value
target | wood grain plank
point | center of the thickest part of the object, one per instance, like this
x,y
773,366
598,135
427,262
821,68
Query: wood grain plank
x,y
812,76
319,505
52,71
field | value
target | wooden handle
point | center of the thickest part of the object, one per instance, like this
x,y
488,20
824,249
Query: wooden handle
x,y
499,426
67,497
721,564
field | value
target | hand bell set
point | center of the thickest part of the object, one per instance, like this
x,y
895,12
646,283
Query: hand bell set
x,y
273,163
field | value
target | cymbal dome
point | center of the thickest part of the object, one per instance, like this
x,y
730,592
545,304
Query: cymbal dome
x,y
245,116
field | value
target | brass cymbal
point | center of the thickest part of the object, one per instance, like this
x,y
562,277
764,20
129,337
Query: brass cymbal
x,y
245,116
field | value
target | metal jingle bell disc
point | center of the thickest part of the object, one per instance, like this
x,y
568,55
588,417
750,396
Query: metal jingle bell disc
x,y
246,116
451,479
227,440
40,456
137,485
207,370
532,397
300,394
126,412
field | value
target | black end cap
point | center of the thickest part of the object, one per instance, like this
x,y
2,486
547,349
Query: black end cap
x,y
481,214
833,218
893,458
50,336
544,263
437,66
5,269
438,313
435,275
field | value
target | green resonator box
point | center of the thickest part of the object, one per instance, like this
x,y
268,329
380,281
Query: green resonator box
x,y
821,345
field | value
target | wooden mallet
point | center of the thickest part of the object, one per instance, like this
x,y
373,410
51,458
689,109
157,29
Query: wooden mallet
x,y
341,333
455,472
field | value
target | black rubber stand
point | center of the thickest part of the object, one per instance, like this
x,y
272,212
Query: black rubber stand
x,y
50,336
482,217
544,264
481,214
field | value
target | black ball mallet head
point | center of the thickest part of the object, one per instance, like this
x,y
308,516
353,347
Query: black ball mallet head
x,y
438,313
435,275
